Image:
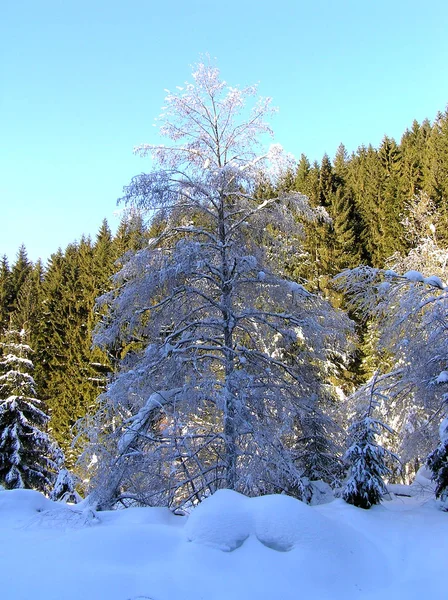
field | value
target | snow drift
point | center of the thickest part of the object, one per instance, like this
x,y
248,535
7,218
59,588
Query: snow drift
x,y
230,547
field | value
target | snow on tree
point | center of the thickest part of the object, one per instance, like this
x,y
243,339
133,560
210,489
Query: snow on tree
x,y
438,464
226,357
64,489
28,458
408,318
366,458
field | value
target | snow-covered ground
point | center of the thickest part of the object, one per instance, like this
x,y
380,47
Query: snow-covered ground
x,y
230,548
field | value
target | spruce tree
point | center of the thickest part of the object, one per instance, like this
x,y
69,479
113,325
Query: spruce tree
x,y
28,458
28,305
346,243
438,464
19,273
70,382
438,171
301,178
366,459
326,181
6,293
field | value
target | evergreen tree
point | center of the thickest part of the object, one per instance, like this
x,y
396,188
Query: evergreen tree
x,y
19,273
437,181
302,173
438,463
64,489
346,242
28,458
326,181
366,459
391,205
6,293
28,305
132,234
413,147
103,260
68,369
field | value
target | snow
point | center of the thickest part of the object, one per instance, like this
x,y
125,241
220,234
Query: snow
x,y
390,273
414,276
434,281
230,547
297,289
442,377
443,431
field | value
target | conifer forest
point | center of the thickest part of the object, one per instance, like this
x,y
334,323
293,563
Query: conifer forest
x,y
257,322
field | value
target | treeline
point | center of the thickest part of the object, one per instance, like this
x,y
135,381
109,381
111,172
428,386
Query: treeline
x,y
54,305
366,195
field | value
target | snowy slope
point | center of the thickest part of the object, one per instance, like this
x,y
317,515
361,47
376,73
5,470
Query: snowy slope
x,y
231,547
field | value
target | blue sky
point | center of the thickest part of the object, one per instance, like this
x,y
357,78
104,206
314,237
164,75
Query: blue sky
x,y
81,83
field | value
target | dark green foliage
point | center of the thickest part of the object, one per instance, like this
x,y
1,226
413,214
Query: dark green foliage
x,y
19,273
6,293
438,463
71,374
28,306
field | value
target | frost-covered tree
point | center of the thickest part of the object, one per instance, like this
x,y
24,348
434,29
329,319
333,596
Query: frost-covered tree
x,y
438,464
225,356
366,459
28,458
408,324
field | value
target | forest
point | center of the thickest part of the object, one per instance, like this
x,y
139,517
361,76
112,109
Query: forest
x,y
256,323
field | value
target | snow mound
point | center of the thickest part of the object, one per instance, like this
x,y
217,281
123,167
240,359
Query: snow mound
x,y
226,519
222,521
23,502
32,510
282,522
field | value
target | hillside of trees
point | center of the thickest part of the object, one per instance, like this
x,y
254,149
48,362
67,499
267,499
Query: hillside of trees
x,y
348,231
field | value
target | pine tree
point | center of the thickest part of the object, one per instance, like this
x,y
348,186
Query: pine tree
x,y
28,458
391,205
366,459
28,305
437,181
64,489
20,270
326,181
438,463
301,178
346,242
132,234
413,147
6,293
68,369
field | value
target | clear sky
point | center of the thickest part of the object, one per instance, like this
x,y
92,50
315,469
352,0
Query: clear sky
x,y
82,81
